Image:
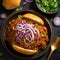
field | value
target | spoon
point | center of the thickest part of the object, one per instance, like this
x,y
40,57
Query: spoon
x,y
54,46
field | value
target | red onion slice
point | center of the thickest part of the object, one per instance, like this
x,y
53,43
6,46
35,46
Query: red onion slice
x,y
25,3
3,15
29,41
26,31
37,32
56,21
31,33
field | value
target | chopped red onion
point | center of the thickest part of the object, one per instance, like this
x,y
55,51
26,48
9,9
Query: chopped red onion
x,y
26,39
57,21
21,34
25,3
31,33
26,31
3,15
38,33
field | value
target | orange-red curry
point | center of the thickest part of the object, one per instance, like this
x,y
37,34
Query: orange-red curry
x,y
27,34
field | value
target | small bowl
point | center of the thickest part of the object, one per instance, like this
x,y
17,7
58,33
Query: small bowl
x,y
40,8
7,46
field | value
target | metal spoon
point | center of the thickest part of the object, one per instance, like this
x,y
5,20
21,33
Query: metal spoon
x,y
55,45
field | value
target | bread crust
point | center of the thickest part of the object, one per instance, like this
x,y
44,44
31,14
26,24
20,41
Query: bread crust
x,y
11,4
34,17
23,50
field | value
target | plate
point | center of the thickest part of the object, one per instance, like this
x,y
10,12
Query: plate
x,y
7,46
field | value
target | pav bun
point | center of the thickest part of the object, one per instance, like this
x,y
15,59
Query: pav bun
x,y
11,4
34,17
23,51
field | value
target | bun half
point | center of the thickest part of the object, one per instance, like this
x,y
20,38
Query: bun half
x,y
23,51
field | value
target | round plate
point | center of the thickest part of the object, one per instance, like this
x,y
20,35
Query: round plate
x,y
9,49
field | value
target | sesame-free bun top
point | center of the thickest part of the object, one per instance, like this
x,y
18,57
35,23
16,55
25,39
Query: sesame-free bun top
x,y
11,4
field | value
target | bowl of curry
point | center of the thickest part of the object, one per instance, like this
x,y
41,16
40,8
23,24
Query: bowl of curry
x,y
26,34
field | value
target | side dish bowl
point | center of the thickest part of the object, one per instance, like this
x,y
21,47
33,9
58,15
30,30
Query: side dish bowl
x,y
6,44
48,7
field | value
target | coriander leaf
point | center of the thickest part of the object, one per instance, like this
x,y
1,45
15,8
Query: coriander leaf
x,y
19,16
19,8
45,47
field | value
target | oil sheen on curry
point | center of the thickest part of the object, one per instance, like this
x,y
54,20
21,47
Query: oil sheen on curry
x,y
27,33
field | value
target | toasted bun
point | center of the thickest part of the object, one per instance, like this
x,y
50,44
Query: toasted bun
x,y
34,17
23,51
11,4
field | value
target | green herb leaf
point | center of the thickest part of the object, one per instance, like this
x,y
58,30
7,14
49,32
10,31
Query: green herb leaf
x,y
48,5
19,8
13,42
45,47
34,42
44,35
19,16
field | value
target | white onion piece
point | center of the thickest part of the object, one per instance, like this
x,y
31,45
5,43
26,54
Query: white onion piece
x,y
56,21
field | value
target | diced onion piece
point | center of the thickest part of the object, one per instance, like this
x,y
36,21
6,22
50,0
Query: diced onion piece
x,y
56,21
3,15
25,3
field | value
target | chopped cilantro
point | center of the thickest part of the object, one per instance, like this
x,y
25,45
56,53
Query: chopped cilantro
x,y
49,5
19,8
19,16
44,35
34,42
45,47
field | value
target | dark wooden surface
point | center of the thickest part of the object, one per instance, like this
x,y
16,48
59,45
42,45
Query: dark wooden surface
x,y
56,30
